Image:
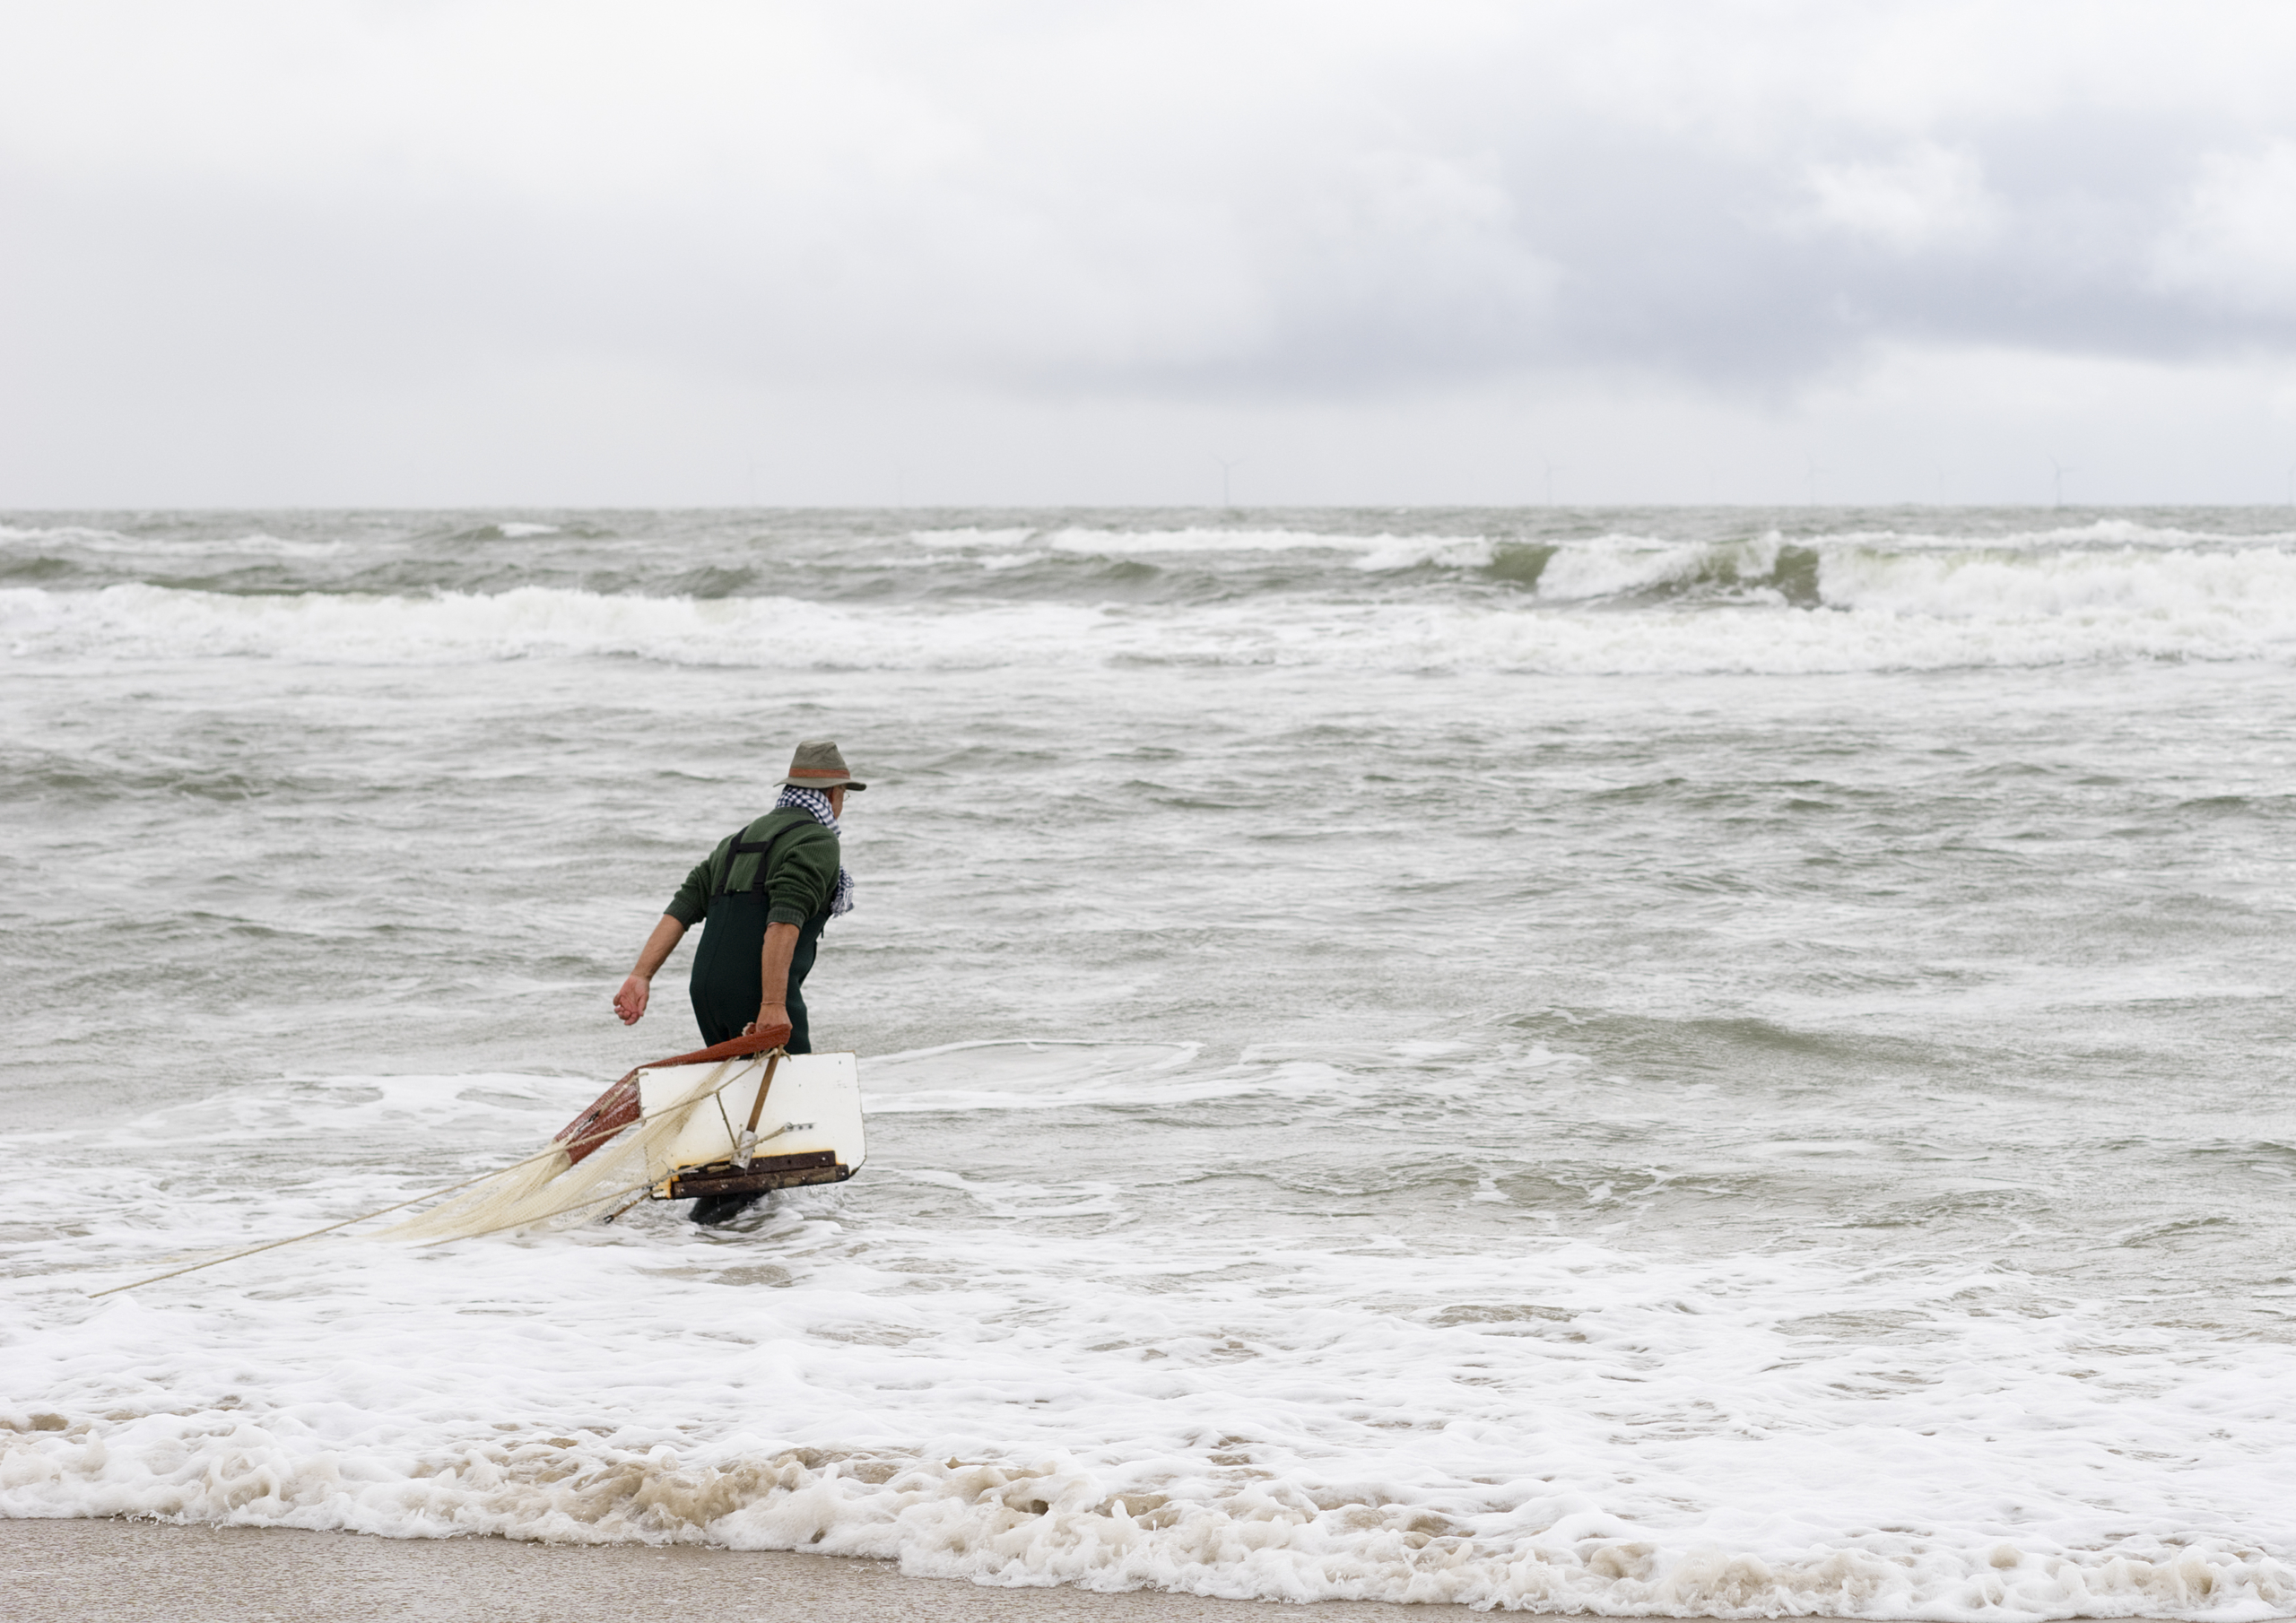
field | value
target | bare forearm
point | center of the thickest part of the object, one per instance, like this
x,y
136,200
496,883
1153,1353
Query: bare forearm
x,y
629,1002
773,971
658,947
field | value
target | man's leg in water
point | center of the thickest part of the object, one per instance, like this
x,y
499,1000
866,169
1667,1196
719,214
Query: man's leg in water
x,y
801,1030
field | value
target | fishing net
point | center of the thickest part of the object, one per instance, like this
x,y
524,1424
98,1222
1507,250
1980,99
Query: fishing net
x,y
550,1184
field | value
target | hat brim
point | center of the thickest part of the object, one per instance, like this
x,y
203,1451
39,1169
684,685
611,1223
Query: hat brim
x,y
818,782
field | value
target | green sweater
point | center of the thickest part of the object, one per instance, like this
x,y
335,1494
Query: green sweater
x,y
802,881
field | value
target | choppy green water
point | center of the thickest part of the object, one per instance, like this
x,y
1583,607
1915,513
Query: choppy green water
x,y
1711,1038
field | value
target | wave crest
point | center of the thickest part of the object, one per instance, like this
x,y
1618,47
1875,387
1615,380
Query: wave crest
x,y
1615,604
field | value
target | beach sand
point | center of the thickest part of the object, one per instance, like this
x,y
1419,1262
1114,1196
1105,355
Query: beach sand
x,y
147,1572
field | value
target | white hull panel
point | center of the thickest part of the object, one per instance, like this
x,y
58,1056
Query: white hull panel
x,y
813,1105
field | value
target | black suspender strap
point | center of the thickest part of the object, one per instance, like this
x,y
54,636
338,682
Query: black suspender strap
x,y
742,847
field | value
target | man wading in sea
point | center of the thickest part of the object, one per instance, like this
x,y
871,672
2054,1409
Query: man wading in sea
x,y
767,890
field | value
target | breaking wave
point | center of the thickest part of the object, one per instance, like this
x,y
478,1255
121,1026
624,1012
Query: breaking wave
x,y
1613,605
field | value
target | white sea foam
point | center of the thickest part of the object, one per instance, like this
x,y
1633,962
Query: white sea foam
x,y
1883,610
1374,552
144,622
78,534
2098,532
1238,1406
1391,552
1127,542
2205,591
973,536
1614,566
164,548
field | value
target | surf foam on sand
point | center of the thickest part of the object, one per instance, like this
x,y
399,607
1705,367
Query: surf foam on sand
x,y
1174,1394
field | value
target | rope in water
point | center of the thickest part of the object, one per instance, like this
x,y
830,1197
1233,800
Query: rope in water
x,y
315,1233
594,1199
555,1147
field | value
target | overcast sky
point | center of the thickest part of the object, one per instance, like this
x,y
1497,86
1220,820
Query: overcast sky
x,y
319,252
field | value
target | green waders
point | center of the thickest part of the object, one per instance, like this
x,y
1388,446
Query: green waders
x,y
727,983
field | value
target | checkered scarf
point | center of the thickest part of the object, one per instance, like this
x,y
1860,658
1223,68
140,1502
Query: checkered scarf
x,y
814,804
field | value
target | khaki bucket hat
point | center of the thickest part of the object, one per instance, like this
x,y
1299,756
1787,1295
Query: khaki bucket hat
x,y
817,765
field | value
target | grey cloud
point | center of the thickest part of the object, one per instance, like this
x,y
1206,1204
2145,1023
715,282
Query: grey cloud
x,y
1271,201
1620,250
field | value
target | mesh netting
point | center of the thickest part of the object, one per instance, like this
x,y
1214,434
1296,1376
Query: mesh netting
x,y
551,1185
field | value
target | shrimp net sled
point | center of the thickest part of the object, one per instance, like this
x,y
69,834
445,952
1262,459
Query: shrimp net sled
x,y
740,1117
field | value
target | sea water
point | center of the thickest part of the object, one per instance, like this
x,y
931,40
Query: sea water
x,y
1676,1061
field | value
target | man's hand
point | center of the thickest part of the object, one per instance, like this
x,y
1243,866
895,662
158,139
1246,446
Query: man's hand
x,y
768,1016
773,978
629,1002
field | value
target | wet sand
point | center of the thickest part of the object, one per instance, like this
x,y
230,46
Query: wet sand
x,y
152,1572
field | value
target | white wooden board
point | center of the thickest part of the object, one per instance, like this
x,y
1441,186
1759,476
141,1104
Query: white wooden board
x,y
814,1104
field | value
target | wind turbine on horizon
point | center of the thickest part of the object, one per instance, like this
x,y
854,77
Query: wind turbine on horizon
x,y
2062,470
1227,467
